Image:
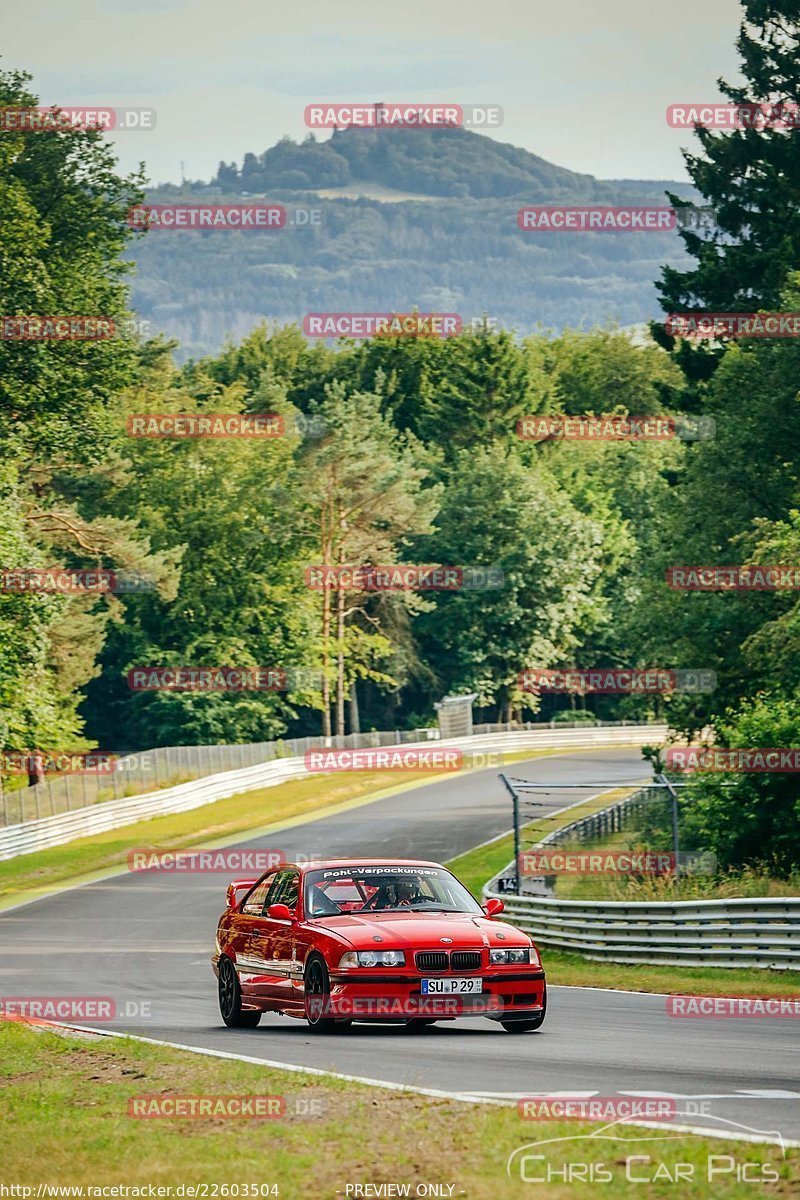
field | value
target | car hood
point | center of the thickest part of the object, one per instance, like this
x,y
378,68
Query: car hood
x,y
423,931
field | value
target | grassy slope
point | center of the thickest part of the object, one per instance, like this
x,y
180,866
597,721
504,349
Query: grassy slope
x,y
64,1104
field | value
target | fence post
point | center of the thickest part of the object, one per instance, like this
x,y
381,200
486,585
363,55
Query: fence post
x,y
515,798
674,798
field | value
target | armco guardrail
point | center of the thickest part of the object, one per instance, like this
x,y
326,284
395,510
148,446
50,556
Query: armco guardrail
x,y
27,837
689,933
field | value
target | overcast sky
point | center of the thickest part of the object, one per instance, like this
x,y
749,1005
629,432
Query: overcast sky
x,y
583,84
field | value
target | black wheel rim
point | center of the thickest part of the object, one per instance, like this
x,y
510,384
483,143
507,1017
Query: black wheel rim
x,y
315,990
227,989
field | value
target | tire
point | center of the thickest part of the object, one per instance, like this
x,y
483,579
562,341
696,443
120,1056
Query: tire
x,y
522,1026
317,984
230,998
527,1024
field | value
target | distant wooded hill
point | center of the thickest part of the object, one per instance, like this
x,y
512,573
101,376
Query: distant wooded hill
x,y
454,247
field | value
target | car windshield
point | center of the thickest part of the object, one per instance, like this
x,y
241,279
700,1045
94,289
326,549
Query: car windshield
x,y
374,889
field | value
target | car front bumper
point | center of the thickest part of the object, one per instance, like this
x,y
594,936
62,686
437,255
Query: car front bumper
x,y
368,995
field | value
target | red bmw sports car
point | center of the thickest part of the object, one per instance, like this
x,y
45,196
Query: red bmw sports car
x,y
393,940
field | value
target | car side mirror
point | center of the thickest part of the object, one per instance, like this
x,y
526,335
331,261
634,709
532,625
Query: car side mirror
x,y
280,912
493,906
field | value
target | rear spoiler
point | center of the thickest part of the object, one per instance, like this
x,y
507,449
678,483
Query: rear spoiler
x,y
237,890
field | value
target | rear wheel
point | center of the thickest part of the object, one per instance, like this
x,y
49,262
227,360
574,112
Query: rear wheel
x,y
230,999
318,990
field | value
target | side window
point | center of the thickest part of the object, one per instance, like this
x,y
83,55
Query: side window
x,y
291,891
255,901
285,889
275,893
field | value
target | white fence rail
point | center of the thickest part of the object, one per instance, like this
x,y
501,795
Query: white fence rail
x,y
29,836
690,933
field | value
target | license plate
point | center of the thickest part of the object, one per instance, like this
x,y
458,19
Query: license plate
x,y
447,987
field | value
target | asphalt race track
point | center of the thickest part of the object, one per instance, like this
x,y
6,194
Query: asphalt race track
x,y
145,939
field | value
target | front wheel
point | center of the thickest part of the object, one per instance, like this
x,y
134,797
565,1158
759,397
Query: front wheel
x,y
317,997
523,1026
527,1024
230,999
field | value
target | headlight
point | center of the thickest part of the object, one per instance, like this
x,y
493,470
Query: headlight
x,y
522,955
372,958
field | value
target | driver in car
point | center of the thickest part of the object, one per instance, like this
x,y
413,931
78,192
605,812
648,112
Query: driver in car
x,y
404,893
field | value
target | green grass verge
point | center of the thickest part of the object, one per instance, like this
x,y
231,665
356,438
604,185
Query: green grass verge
x,y
744,884
65,1103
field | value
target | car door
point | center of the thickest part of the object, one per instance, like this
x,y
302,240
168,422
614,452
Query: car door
x,y
280,935
242,932
270,975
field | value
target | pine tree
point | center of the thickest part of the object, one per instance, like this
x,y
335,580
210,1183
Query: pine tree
x,y
751,178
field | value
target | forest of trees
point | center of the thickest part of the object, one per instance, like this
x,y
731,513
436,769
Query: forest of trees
x,y
410,455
